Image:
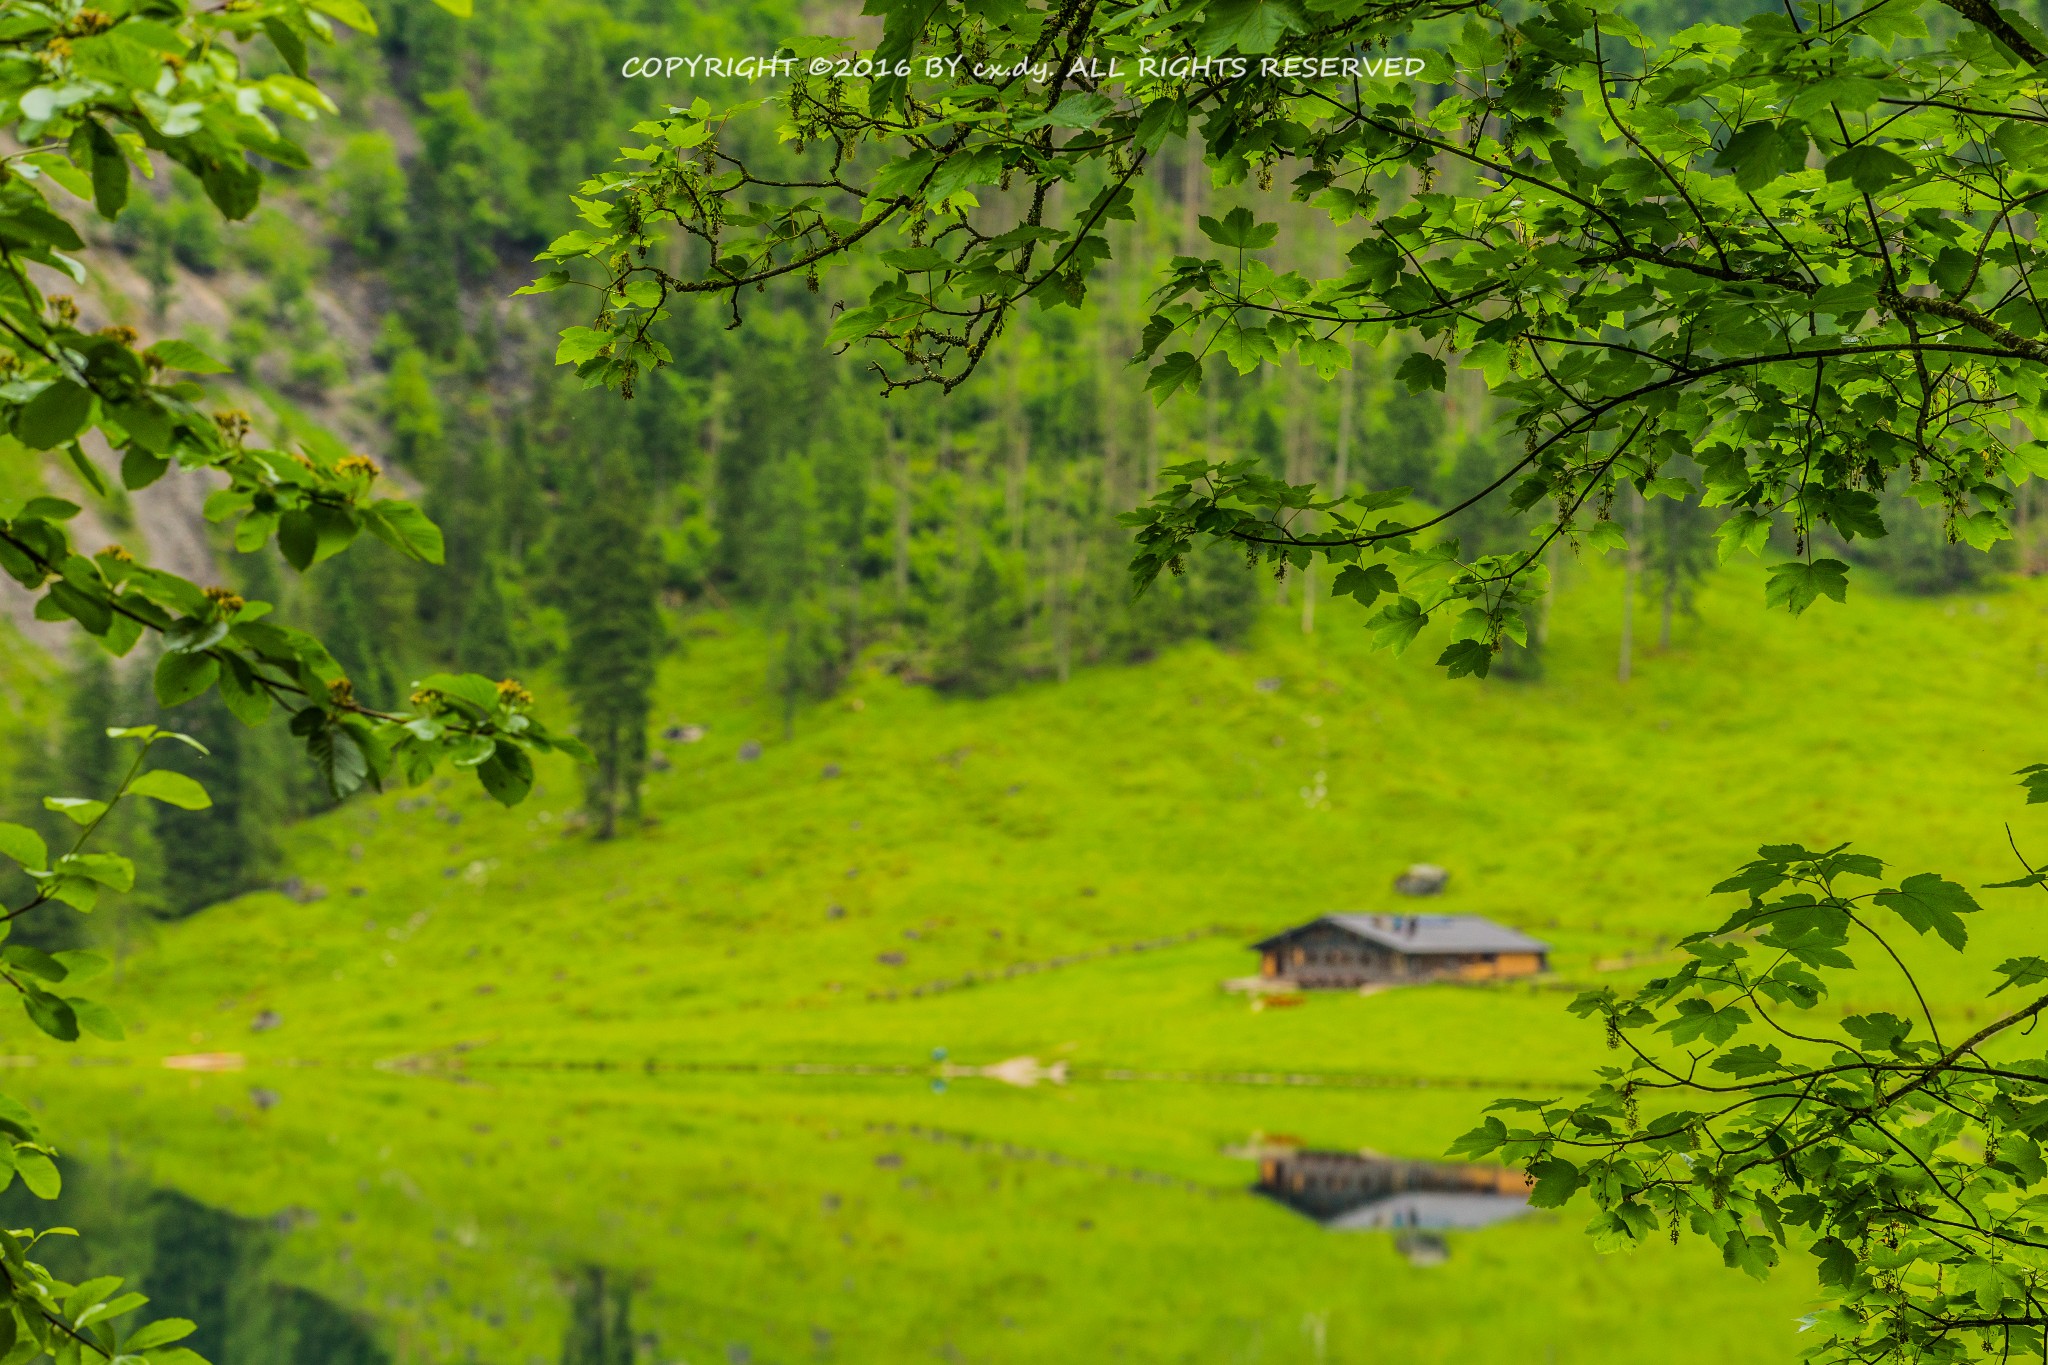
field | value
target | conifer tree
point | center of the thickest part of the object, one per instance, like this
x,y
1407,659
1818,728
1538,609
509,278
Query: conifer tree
x,y
979,661
607,591
795,580
210,855
486,645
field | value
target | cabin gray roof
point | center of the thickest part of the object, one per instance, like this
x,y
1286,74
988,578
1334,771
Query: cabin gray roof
x,y
1424,934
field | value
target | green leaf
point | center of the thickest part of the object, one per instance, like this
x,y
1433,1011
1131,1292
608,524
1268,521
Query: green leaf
x,y
1249,25
50,1013
1241,230
289,45
1557,1180
1754,1256
2023,1154
171,788
80,893
1761,152
109,171
1466,657
24,846
97,1019
904,22
405,529
183,355
1929,901
339,758
507,774
181,677
53,416
246,699
1420,371
1796,586
2021,972
162,1332
1481,1141
1838,1262
39,1173
1745,530
1364,582
79,964
351,12
79,810
1749,1060
110,870
1395,626
1181,370
473,688
34,961
546,284
1869,168
1697,1019
580,344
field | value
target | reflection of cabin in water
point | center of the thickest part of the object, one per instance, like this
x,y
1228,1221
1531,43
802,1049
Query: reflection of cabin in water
x,y
1347,1192
1361,950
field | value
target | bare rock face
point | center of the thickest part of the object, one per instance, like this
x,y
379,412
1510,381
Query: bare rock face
x,y
1422,879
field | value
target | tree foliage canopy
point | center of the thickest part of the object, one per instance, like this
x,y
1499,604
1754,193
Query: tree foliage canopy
x,y
1799,250
93,96
1908,1163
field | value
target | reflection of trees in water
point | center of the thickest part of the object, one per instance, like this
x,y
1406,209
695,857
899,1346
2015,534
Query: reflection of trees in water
x,y
196,1262
600,1319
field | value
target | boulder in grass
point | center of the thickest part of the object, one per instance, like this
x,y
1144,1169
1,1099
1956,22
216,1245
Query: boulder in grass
x,y
1422,879
750,751
265,1021
1423,1248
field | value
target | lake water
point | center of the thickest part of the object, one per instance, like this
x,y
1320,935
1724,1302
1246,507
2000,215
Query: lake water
x,y
311,1215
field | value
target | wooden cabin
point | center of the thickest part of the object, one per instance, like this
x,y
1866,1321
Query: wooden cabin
x,y
1348,951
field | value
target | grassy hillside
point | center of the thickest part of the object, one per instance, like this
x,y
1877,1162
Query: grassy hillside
x,y
1209,792
910,872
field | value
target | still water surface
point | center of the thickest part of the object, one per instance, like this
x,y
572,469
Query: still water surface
x,y
329,1216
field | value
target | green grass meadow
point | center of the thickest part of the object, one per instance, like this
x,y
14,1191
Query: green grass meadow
x,y
671,1055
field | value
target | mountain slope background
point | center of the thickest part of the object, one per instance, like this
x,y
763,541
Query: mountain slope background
x,y
789,908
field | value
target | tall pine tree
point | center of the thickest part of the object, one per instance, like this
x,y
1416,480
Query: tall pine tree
x,y
607,591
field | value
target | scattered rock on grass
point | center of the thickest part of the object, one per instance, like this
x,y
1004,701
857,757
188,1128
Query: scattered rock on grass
x,y
1422,879
1423,1248
750,751
265,1021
